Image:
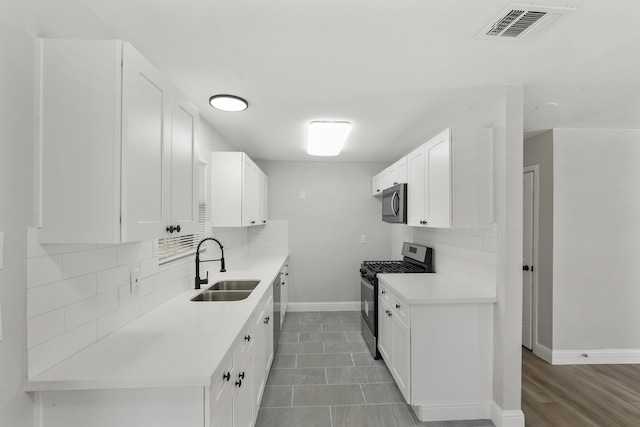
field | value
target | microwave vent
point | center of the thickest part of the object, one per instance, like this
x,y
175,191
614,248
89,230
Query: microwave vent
x,y
521,22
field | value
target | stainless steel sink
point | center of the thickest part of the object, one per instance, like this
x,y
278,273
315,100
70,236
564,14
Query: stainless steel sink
x,y
234,285
221,296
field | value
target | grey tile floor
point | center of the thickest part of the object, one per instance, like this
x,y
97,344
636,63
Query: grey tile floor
x,y
324,376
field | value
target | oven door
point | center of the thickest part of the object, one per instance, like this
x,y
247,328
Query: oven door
x,y
368,302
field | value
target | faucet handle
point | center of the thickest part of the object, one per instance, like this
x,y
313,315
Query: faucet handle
x,y
206,279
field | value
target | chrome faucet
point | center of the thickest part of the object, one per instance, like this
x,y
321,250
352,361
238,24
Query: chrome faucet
x,y
204,281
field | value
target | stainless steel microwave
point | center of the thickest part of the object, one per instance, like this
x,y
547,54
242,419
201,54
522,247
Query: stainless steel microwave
x,y
394,204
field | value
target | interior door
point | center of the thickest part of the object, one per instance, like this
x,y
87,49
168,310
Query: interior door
x,y
527,261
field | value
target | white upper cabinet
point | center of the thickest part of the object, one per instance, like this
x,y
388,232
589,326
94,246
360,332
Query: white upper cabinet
x,y
450,180
238,191
390,176
184,166
118,148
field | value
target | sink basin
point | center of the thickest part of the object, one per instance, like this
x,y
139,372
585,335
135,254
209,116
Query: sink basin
x,y
221,296
234,285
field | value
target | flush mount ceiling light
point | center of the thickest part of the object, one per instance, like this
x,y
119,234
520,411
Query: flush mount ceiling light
x,y
327,138
228,103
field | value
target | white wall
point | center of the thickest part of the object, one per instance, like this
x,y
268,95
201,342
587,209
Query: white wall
x,y
596,282
325,226
17,50
538,150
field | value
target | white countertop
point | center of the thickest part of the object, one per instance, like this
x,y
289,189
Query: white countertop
x,y
179,344
432,288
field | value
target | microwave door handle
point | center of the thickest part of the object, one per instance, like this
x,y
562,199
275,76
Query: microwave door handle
x,y
395,203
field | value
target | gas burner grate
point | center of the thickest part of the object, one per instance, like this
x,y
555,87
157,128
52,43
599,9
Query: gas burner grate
x,y
392,267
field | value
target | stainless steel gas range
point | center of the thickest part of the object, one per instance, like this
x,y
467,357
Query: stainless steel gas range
x,y
416,259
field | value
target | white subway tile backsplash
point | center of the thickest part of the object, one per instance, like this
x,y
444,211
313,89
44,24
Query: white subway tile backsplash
x,y
467,256
45,355
44,327
147,286
90,309
43,269
133,252
59,294
114,277
80,263
149,267
116,319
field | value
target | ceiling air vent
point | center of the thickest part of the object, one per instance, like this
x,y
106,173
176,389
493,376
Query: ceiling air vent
x,y
520,22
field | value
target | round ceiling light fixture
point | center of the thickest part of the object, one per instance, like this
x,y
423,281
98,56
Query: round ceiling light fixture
x,y
228,103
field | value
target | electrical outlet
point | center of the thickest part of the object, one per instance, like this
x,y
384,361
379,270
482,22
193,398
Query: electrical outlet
x,y
363,239
135,281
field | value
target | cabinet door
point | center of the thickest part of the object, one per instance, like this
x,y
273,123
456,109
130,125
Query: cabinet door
x,y
263,191
250,192
221,395
243,396
401,356
222,412
401,170
268,335
184,167
284,293
146,149
376,185
257,360
80,140
416,187
438,192
385,331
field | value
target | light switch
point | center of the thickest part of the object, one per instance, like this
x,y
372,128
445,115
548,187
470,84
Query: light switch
x,y
1,248
303,194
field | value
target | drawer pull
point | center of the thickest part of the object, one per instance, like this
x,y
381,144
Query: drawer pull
x,y
398,306
226,376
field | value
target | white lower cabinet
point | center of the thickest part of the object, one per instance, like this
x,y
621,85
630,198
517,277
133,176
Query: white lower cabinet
x,y
284,291
439,355
394,340
267,347
243,392
221,397
232,399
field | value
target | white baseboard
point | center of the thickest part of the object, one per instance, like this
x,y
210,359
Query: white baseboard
x,y
509,418
453,411
543,352
324,306
596,357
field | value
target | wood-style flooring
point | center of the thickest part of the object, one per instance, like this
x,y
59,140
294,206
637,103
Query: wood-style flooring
x,y
579,395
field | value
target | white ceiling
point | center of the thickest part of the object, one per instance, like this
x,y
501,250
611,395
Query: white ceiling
x,y
386,66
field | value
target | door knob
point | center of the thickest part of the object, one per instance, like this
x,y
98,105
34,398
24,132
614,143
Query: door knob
x,y
525,268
